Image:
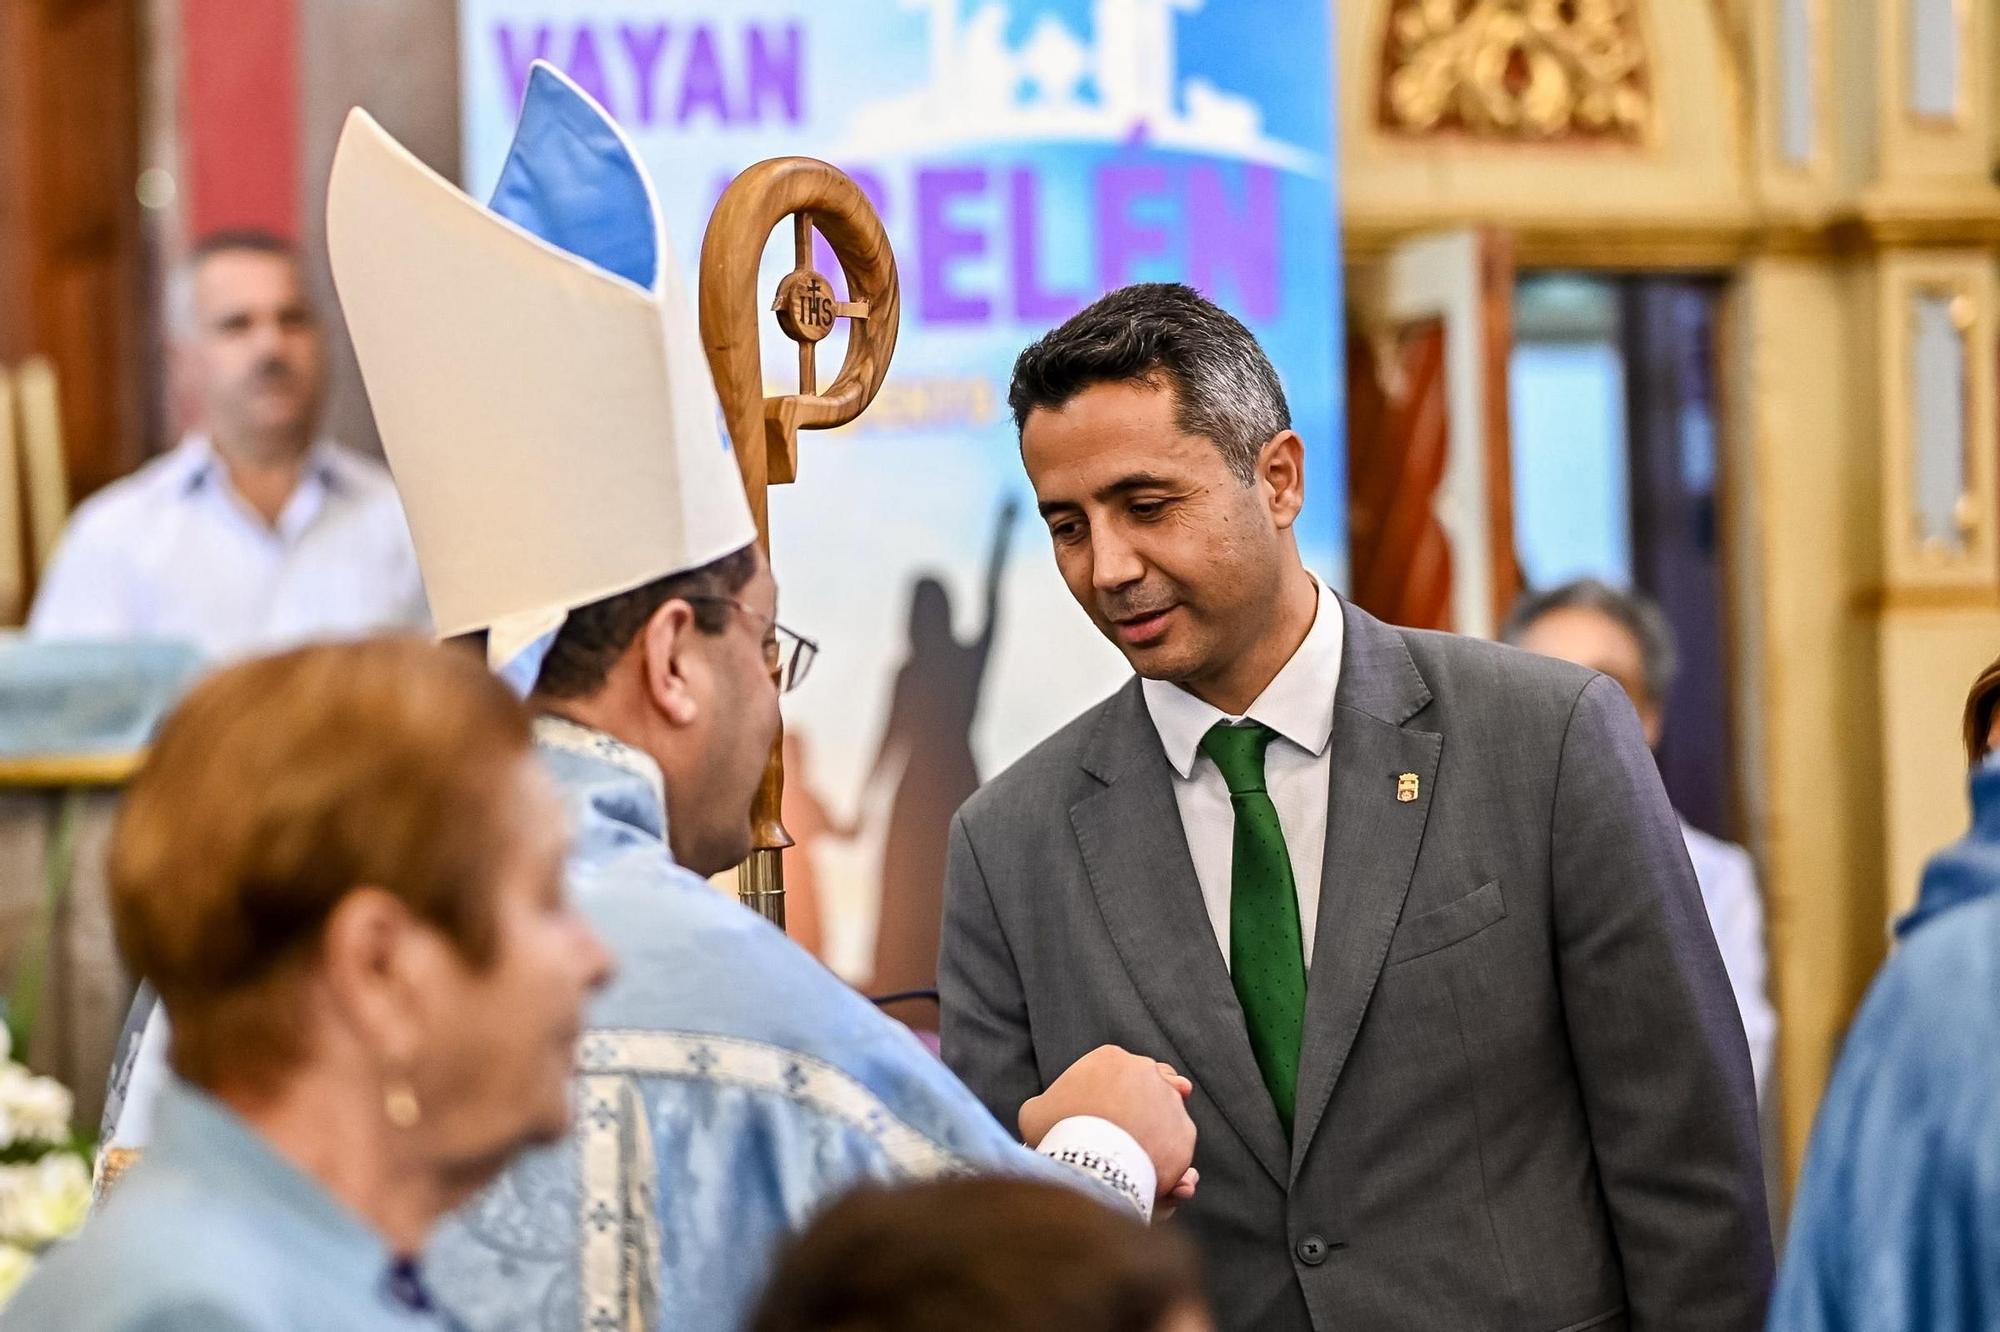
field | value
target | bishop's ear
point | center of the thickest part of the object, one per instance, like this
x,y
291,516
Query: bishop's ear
x,y
669,656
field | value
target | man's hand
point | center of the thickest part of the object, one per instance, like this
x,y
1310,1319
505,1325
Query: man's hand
x,y
1140,1095
1170,1202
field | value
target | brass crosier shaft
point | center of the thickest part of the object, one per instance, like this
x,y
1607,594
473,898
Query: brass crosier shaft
x,y
764,431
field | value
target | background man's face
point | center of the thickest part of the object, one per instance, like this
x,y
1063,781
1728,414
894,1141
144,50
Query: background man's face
x,y
1591,638
1174,559
255,352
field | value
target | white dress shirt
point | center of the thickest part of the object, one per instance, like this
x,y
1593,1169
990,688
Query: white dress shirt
x,y
1298,705
173,552
1736,914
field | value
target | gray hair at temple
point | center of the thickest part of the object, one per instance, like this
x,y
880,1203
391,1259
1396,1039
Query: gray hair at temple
x,y
1162,333
1637,615
180,311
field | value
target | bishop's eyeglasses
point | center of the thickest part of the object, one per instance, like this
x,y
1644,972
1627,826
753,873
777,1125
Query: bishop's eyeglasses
x,y
789,654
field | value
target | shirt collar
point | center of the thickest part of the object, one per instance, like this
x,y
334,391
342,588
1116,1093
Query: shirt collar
x,y
195,463
329,462
569,737
199,1135
1297,704
189,465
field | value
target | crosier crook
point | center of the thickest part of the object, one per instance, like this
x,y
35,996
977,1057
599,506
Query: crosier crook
x,y
764,431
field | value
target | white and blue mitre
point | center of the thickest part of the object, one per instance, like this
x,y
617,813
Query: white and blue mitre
x,y
535,368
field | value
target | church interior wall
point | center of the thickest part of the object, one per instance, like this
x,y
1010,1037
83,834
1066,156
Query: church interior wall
x,y
1806,663
398,58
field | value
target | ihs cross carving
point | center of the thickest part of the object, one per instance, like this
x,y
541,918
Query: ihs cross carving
x,y
805,306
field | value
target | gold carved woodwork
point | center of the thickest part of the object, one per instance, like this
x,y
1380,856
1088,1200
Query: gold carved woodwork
x,y
1530,71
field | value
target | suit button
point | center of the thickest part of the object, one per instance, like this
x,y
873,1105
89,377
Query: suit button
x,y
1312,1251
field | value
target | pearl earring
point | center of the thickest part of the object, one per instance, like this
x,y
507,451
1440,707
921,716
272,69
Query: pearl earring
x,y
399,1103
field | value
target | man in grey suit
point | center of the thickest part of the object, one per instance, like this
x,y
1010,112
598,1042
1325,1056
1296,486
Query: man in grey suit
x,y
1411,910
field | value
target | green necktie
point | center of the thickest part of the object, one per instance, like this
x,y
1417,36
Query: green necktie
x,y
1266,958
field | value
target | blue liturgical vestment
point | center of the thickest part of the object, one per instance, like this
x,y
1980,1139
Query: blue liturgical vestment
x,y
1897,1227
729,1087
214,1232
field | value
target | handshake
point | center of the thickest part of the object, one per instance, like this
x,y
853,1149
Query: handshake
x,y
1140,1095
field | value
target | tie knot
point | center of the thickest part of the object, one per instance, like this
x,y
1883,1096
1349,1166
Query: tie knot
x,y
1239,752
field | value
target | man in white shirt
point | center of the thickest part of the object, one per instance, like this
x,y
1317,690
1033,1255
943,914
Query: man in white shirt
x,y
252,535
1627,638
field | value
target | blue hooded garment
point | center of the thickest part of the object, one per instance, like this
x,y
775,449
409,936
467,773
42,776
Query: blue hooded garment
x,y
1897,1226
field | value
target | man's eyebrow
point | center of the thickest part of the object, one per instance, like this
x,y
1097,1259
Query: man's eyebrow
x,y
1124,485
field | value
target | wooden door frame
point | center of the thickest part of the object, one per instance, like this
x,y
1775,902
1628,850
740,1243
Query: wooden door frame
x,y
73,254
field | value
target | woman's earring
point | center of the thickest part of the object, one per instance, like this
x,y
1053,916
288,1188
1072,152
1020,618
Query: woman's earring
x,y
399,1103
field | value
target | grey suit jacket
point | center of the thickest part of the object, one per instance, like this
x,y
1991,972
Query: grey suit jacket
x,y
1524,1095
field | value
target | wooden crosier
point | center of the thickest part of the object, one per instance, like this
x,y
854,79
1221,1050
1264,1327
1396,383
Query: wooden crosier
x,y
764,430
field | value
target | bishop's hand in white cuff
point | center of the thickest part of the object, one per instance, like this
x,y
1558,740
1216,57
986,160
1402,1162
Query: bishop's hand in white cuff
x,y
1108,1154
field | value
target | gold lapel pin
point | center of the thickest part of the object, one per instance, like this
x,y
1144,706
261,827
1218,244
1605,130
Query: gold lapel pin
x,y
1406,787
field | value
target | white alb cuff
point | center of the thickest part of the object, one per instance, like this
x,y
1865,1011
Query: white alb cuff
x,y
1108,1154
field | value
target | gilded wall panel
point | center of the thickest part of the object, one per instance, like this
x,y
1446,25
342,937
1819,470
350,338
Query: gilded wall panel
x,y
1936,91
1940,495
1537,114
1524,71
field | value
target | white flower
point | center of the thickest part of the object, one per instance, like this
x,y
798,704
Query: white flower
x,y
15,1264
43,1201
33,1109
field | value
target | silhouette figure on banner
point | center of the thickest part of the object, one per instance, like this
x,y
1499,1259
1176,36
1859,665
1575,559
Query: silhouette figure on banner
x,y
807,820
927,741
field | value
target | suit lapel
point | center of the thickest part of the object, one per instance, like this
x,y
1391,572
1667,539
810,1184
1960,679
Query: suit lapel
x,y
1372,839
1137,857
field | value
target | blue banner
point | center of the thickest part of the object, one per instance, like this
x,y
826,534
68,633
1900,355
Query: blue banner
x,y
1026,158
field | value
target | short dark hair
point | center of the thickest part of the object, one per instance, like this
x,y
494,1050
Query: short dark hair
x,y
594,637
1636,615
1164,333
229,240
980,1254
